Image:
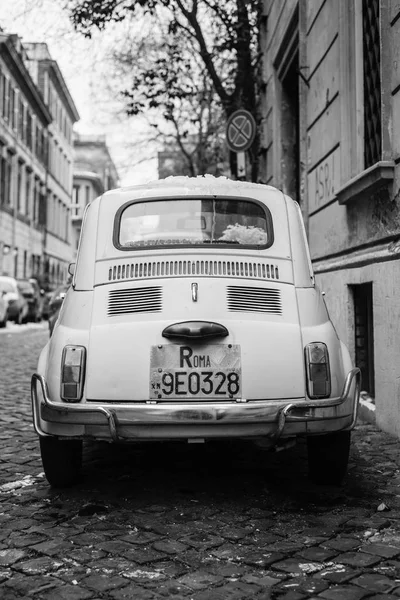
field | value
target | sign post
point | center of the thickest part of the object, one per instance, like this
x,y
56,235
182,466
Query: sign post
x,y
241,165
240,134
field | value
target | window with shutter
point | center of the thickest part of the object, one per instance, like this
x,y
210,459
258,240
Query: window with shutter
x,y
372,83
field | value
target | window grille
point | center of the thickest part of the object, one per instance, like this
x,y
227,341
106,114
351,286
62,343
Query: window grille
x,y
372,83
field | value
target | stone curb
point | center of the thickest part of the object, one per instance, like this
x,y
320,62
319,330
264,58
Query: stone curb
x,y
366,411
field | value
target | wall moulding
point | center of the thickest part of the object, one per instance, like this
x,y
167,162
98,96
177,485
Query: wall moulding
x,y
377,177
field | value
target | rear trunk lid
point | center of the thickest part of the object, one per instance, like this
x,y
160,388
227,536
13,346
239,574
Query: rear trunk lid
x,y
130,360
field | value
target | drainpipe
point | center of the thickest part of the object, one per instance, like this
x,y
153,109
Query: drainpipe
x,y
44,233
13,199
303,97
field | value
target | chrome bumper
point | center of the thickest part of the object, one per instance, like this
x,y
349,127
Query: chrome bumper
x,y
278,413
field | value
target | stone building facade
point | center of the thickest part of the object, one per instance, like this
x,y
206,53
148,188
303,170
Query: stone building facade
x,y
37,114
331,139
24,122
94,173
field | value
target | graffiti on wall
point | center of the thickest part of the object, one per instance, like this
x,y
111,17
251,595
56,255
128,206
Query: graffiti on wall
x,y
324,181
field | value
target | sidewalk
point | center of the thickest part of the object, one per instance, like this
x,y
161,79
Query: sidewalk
x,y
366,409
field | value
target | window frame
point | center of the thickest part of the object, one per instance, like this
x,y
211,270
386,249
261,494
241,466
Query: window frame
x,y
196,247
352,91
357,181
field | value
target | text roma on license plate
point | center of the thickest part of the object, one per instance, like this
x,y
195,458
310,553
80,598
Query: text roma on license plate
x,y
192,372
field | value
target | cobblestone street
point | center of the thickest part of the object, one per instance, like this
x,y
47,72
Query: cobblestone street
x,y
218,521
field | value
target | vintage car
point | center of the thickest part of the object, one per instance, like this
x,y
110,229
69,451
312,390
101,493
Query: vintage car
x,y
193,315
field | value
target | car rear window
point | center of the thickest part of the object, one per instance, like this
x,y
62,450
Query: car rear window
x,y
194,222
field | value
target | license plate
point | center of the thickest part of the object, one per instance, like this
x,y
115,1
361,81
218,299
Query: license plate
x,y
192,372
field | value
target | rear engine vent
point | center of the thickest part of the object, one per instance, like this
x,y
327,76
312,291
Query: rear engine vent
x,y
252,299
139,300
188,268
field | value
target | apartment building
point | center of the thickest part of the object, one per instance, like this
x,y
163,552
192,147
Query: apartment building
x,y
58,247
37,115
331,139
24,122
94,173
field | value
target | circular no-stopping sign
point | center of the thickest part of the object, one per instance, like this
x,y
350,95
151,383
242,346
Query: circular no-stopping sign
x,y
240,130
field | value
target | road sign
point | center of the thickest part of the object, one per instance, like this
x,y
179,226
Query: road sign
x,y
240,130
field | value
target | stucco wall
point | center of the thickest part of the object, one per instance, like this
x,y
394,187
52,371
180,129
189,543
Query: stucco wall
x,y
361,230
386,310
339,228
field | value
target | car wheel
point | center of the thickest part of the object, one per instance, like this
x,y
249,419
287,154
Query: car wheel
x,y
62,460
3,324
328,457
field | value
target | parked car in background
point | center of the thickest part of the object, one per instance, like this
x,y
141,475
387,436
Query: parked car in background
x,y
33,298
3,310
54,305
40,295
193,315
17,305
46,302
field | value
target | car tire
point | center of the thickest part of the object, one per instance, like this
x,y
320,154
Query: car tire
x,y
62,460
328,457
3,324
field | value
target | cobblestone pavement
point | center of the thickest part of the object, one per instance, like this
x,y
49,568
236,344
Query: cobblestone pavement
x,y
209,522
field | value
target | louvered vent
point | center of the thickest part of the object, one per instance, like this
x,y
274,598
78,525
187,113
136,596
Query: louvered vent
x,y
188,268
141,300
252,299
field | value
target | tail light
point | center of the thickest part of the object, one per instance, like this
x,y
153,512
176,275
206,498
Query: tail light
x,y
318,371
73,373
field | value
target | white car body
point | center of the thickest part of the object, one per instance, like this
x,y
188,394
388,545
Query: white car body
x,y
163,323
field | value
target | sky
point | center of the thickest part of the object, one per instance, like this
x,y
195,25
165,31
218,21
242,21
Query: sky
x,y
85,68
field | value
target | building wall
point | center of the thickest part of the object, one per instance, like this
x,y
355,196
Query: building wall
x,y
94,173
87,186
350,204
386,287
59,251
36,120
23,134
91,154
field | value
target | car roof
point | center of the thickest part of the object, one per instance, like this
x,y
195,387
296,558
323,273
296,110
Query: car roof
x,y
106,206
10,281
182,186
24,282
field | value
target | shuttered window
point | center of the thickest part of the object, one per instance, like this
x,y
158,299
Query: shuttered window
x,y
372,82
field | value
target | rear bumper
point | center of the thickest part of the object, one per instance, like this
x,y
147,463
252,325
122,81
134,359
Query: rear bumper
x,y
149,421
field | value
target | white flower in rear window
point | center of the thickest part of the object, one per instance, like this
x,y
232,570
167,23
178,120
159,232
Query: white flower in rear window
x,y
245,235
